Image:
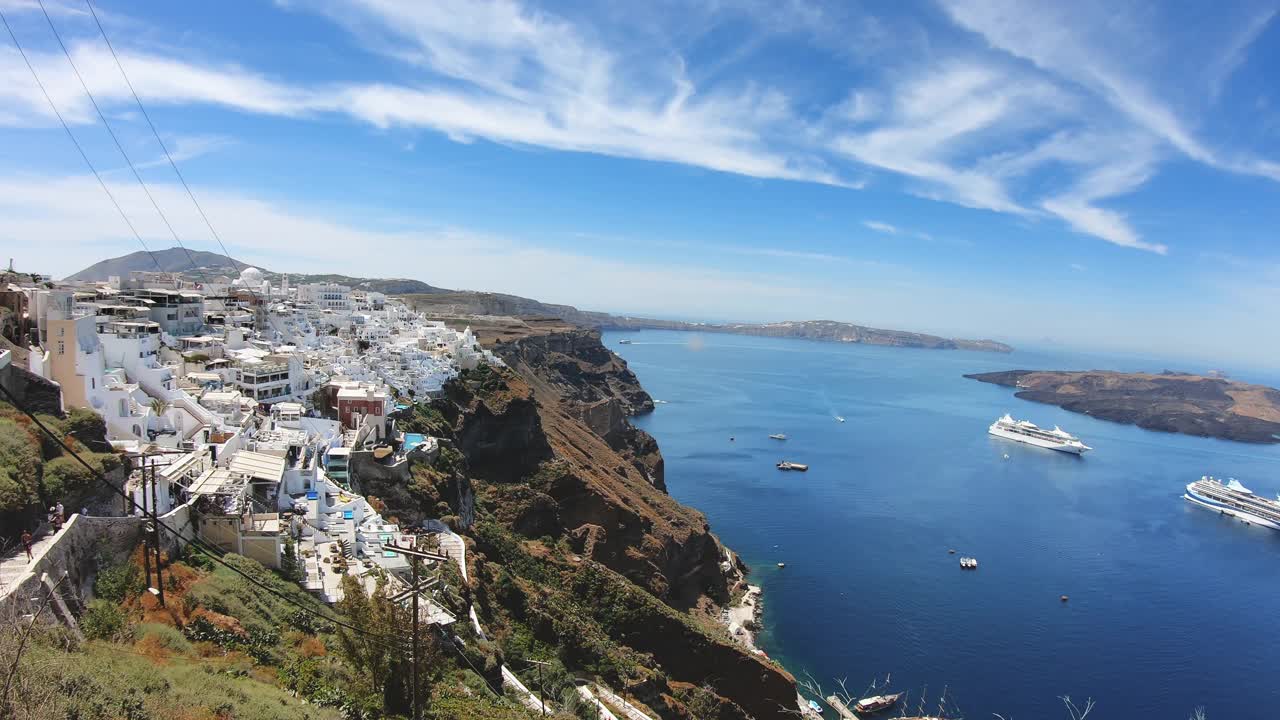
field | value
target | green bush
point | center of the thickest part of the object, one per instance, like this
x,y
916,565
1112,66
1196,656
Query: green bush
x,y
168,636
20,461
65,476
103,620
116,583
14,495
85,425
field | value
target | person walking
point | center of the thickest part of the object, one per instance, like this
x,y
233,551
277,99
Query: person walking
x,y
54,522
26,544
62,513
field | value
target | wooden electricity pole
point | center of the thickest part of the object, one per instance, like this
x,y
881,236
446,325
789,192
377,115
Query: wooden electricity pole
x,y
416,588
146,553
417,649
155,531
542,688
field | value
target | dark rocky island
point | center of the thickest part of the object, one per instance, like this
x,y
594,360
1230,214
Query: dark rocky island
x,y
1171,402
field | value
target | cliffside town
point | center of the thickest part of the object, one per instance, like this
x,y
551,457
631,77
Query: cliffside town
x,y
318,430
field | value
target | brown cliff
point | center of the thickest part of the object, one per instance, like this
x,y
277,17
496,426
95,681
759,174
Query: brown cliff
x,y
560,480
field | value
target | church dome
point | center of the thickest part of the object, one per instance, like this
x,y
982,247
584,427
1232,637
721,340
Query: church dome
x,y
250,277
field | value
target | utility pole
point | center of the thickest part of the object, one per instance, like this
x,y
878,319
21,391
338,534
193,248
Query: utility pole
x,y
146,554
542,688
416,588
417,707
155,533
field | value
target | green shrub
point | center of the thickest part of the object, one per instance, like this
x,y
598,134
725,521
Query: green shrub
x,y
20,461
167,636
65,476
103,620
116,583
85,425
14,495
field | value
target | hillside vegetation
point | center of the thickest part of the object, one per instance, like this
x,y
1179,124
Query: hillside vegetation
x,y
34,471
224,648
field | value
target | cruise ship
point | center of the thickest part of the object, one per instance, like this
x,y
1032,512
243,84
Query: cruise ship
x,y
1031,434
1232,498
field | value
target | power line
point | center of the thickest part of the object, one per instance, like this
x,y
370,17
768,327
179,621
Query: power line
x,y
112,133
83,155
155,132
394,642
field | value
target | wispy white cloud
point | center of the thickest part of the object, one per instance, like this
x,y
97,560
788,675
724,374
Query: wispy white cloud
x,y
61,224
1012,128
1103,47
943,115
1233,56
526,80
881,227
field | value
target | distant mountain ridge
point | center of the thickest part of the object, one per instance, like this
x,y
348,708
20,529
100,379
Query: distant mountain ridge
x,y
478,303
441,302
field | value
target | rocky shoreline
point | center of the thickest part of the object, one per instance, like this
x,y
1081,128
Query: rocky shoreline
x,y
1182,403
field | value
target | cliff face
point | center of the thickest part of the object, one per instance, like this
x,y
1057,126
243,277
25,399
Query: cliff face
x,y
587,380
554,463
1170,402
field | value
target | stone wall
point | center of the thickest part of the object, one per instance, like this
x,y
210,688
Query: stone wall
x,y
32,391
79,547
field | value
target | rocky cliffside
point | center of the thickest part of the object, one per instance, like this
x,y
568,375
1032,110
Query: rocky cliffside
x,y
591,382
1169,401
559,482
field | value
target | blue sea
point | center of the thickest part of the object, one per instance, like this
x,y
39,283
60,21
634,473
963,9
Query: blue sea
x,y
1171,606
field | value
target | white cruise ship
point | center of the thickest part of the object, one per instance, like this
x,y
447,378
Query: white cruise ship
x,y
1032,434
1235,499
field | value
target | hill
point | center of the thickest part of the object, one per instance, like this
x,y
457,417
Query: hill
x,y
169,260
207,264
1169,401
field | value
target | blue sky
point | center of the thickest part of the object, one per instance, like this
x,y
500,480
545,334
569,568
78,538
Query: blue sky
x,y
1102,174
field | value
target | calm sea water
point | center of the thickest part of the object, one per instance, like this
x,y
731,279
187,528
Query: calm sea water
x,y
1171,606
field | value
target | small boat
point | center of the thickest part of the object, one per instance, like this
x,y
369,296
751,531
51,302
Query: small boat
x,y
839,418
798,467
876,703
782,565
968,563
814,706
778,436
624,342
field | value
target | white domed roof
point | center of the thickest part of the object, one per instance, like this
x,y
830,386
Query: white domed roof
x,y
250,276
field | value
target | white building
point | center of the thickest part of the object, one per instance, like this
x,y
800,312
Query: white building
x,y
327,296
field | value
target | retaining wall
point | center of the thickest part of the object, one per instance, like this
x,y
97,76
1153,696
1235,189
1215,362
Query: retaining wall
x,y
81,544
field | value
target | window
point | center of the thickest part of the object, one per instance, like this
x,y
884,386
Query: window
x,y
62,347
